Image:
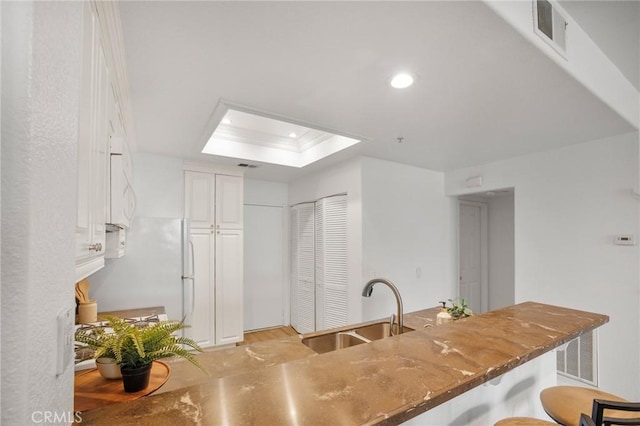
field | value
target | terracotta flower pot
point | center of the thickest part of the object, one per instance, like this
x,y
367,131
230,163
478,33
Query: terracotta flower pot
x,y
135,379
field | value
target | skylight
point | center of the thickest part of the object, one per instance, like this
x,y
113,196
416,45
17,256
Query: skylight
x,y
258,136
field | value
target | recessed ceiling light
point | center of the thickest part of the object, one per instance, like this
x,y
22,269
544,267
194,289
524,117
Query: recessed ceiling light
x,y
259,136
226,121
402,80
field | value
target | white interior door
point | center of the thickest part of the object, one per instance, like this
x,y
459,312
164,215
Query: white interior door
x,y
302,268
470,256
264,279
331,262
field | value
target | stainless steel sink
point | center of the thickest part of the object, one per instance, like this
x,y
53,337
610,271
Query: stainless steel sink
x,y
378,331
333,341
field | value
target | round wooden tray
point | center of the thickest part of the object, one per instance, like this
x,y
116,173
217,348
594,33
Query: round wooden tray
x,y
93,391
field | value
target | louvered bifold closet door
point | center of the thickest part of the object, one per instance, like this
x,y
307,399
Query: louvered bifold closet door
x,y
331,262
302,268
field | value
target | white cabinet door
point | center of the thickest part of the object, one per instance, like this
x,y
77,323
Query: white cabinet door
x,y
229,202
92,152
200,295
199,199
302,268
85,143
229,286
331,262
319,264
103,133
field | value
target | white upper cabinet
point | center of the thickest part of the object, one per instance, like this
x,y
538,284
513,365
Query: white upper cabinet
x,y
101,120
229,202
92,152
199,196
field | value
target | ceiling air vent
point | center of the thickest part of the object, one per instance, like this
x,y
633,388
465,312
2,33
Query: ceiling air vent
x,y
550,24
249,166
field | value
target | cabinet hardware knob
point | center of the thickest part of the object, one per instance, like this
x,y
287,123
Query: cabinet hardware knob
x,y
97,247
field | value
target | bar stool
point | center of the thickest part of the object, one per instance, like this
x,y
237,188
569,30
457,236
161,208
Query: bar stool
x,y
565,404
599,415
523,421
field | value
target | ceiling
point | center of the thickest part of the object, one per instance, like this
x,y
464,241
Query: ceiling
x,y
483,92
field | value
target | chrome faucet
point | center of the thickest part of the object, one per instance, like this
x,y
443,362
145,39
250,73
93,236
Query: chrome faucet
x,y
368,289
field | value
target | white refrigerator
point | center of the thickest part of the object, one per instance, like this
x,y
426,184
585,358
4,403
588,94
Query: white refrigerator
x,y
156,270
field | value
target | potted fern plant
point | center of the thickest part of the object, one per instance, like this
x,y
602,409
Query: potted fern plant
x,y
135,349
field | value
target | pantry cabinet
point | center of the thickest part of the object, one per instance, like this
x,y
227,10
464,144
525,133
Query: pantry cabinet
x,y
213,206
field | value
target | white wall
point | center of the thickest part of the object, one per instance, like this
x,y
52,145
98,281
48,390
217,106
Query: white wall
x,y
265,193
408,236
159,185
344,177
501,252
569,204
40,96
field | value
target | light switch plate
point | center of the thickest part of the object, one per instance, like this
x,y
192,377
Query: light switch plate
x,y
66,322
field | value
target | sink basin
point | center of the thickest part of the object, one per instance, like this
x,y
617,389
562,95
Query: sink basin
x,y
343,339
378,331
331,342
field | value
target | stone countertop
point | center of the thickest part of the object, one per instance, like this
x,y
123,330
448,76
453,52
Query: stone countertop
x,y
244,359
383,382
233,361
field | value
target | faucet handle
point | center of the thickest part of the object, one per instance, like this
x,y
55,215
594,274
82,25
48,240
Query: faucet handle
x,y
392,320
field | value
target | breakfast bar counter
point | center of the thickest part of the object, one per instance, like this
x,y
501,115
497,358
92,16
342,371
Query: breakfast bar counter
x,y
386,381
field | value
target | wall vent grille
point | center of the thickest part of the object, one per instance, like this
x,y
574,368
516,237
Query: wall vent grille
x,y
550,25
578,359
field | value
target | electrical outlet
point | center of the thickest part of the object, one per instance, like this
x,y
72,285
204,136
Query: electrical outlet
x,y
66,322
